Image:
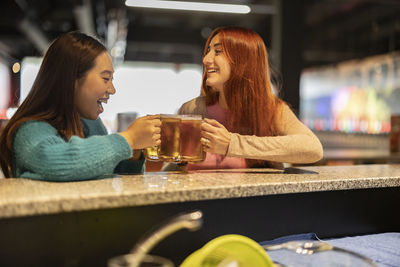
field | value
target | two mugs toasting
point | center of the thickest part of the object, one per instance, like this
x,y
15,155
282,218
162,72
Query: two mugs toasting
x,y
180,140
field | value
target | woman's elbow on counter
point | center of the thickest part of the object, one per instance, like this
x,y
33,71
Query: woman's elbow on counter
x,y
316,153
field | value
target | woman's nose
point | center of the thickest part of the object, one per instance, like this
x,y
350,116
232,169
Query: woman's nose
x,y
207,59
111,90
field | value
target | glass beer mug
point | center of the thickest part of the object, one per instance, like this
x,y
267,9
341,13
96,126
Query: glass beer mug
x,y
190,148
170,133
151,153
180,140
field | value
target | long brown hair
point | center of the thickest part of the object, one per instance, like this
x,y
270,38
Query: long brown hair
x,y
51,98
253,107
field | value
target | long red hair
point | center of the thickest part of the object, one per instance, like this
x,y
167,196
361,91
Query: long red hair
x,y
253,107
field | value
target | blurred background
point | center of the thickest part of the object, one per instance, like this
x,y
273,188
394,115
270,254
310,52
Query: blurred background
x,y
339,59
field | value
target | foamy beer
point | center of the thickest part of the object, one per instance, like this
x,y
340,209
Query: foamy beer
x,y
191,149
170,132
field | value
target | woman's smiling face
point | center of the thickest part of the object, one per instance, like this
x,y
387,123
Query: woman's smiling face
x,y
94,88
216,65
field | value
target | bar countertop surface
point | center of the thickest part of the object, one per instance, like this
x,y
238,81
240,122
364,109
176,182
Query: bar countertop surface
x,y
23,197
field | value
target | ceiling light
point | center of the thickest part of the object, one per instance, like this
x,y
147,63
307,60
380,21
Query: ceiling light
x,y
191,6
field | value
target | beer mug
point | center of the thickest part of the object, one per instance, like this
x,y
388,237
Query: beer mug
x,y
170,134
151,153
190,148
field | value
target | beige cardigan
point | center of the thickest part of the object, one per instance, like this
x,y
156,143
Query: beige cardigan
x,y
295,143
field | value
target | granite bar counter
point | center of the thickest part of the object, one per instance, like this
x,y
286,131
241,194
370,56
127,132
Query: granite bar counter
x,y
85,223
23,197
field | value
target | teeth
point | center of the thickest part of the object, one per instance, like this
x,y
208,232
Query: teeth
x,y
213,70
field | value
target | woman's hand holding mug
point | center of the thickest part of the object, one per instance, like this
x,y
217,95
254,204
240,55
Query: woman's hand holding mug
x,y
143,132
215,137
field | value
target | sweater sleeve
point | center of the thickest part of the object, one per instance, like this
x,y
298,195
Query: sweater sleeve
x,y
295,144
128,166
40,153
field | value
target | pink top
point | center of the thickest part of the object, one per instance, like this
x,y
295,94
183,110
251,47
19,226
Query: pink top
x,y
218,161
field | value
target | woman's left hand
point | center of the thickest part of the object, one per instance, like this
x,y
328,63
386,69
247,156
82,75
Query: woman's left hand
x,y
215,137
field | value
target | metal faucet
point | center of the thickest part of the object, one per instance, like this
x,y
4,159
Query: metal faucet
x,y
191,221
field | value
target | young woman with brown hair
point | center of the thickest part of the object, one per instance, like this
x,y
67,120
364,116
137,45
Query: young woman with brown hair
x,y
56,134
246,125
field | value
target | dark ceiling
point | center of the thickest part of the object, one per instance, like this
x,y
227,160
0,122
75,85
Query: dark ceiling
x,y
338,30
150,34
332,30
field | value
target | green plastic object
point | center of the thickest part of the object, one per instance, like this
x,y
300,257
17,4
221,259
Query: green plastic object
x,y
229,250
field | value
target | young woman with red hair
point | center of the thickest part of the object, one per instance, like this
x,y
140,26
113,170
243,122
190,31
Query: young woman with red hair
x,y
246,125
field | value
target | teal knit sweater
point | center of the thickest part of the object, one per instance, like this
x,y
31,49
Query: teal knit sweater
x,y
41,153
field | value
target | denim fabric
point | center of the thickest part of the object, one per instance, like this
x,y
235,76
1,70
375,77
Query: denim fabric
x,y
383,249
